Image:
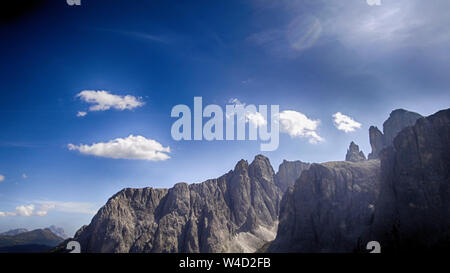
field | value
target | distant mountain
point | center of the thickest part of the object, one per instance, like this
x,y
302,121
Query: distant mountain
x,y
58,231
13,232
34,237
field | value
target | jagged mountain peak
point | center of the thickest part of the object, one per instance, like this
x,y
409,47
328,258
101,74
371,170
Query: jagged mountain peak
x,y
236,212
397,121
354,154
288,172
241,165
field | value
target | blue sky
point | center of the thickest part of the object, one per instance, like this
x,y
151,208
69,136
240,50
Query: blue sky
x,y
316,58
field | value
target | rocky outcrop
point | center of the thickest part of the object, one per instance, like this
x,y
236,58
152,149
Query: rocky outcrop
x,y
413,210
236,212
354,154
329,207
376,139
288,172
397,121
401,201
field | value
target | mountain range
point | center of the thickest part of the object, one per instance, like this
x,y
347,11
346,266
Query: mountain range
x,y
22,240
399,197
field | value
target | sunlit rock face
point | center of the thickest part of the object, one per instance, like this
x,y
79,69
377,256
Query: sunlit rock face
x,y
236,212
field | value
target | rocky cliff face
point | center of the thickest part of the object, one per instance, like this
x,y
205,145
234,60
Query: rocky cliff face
x,y
401,201
329,207
236,212
354,154
397,121
377,143
413,210
288,172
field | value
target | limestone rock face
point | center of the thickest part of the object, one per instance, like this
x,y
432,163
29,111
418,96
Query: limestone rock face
x,y
329,207
397,121
288,172
413,210
354,154
236,212
402,200
376,139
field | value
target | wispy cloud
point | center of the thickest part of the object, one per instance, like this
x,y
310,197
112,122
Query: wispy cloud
x,y
42,208
137,34
69,207
2,178
104,100
288,40
371,29
81,114
131,147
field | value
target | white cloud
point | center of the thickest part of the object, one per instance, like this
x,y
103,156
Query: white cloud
x,y
2,178
297,124
41,212
81,114
24,176
70,207
45,206
293,123
25,210
132,147
235,101
256,118
345,123
103,100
